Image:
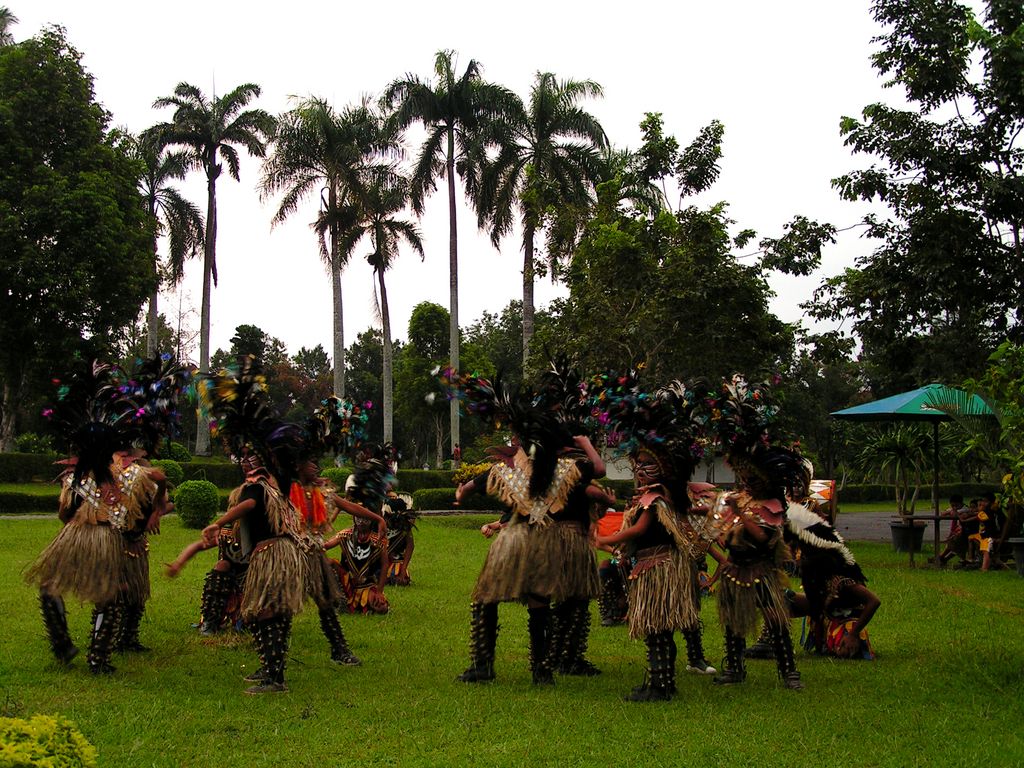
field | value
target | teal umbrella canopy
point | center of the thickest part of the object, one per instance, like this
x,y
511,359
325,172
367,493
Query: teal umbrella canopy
x,y
918,405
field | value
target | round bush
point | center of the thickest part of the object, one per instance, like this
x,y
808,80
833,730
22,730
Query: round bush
x,y
196,503
337,476
178,452
175,474
43,740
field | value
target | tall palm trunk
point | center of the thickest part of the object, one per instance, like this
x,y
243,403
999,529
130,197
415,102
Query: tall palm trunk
x,y
453,287
386,378
527,292
9,412
339,317
153,318
209,259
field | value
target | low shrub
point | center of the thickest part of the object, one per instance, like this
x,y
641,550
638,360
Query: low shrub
x,y
469,471
444,498
30,442
220,472
14,502
196,502
178,452
337,476
27,467
43,740
410,480
171,468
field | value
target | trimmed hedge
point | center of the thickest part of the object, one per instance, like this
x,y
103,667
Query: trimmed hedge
x,y
43,740
178,452
196,502
444,498
411,480
27,467
172,469
337,476
855,494
15,503
221,473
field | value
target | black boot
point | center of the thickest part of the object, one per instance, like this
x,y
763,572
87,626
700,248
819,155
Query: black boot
x,y
735,671
539,625
783,645
217,591
55,619
762,648
572,659
610,602
340,652
128,629
271,637
695,661
660,681
483,636
101,645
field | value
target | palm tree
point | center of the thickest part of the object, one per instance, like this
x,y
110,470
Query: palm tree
x,y
548,158
207,131
318,149
7,20
385,196
456,112
174,216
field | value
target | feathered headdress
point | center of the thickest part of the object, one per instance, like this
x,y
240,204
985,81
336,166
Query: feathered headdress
x,y
157,383
562,391
235,403
373,476
741,416
95,411
338,426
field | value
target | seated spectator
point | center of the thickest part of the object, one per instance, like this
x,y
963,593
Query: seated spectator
x,y
971,527
956,541
990,526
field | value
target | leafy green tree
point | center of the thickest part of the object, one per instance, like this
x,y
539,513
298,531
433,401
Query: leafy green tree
x,y
207,131
365,359
321,151
77,246
178,219
945,284
314,362
422,417
456,111
548,157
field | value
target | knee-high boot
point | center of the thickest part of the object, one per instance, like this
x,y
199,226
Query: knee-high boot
x,y
762,647
55,619
217,591
101,645
783,645
271,639
660,681
539,625
735,671
128,630
572,660
340,652
483,636
695,661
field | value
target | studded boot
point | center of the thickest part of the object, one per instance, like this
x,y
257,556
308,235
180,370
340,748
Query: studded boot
x,y
559,633
217,591
538,623
271,637
483,636
783,645
660,681
340,652
735,671
101,645
762,648
573,661
128,629
695,661
55,619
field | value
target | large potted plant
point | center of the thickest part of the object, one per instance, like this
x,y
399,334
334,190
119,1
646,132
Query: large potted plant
x,y
897,454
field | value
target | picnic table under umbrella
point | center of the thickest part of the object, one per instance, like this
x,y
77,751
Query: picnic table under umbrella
x,y
920,405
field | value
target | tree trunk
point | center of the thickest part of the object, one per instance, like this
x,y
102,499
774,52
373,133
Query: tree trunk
x,y
453,287
386,379
339,316
528,233
9,414
153,320
209,257
438,442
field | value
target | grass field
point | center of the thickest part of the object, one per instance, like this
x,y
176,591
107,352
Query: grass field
x,y
946,688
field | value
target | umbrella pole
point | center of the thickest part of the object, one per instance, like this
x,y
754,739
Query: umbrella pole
x,y
935,487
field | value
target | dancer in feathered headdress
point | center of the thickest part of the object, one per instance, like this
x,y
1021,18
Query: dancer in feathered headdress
x,y
662,432
101,496
750,520
524,564
155,384
275,582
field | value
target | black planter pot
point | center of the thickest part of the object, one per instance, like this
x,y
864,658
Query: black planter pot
x,y
907,537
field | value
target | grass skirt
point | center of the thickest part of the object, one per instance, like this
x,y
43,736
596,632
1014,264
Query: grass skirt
x,y
136,571
322,584
579,577
662,594
275,582
86,561
745,592
523,560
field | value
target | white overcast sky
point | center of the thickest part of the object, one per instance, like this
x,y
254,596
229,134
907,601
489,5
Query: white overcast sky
x,y
779,75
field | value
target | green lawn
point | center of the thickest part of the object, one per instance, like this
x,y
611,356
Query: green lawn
x,y
945,690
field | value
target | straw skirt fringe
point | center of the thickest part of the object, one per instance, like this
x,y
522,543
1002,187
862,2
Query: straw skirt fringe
x,y
740,606
275,581
86,561
579,576
322,585
136,571
523,560
661,596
